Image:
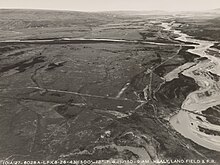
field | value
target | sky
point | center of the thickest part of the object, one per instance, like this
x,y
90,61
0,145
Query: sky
x,y
109,5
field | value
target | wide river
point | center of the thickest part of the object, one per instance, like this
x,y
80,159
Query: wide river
x,y
188,120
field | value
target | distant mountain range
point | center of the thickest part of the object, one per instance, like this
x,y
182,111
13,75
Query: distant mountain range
x,y
162,12
59,14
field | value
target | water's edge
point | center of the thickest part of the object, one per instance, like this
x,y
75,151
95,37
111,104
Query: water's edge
x,y
185,122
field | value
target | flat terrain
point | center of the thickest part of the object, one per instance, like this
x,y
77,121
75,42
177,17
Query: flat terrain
x,y
92,100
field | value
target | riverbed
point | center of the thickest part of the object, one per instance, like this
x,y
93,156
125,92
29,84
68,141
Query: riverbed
x,y
189,119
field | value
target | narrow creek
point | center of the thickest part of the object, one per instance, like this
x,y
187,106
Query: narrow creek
x,y
188,120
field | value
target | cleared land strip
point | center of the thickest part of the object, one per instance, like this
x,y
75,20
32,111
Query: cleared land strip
x,y
90,41
68,97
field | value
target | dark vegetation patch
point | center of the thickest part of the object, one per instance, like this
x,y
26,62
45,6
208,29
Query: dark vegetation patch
x,y
52,66
163,142
174,63
67,111
6,48
30,64
215,77
188,57
147,34
199,118
204,29
174,92
17,53
23,65
216,45
213,115
208,131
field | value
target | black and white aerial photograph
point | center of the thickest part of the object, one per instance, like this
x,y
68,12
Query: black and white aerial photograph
x,y
109,82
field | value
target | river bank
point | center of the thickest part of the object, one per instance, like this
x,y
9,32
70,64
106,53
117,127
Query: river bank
x,y
186,123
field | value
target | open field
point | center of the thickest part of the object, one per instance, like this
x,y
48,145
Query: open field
x,y
93,99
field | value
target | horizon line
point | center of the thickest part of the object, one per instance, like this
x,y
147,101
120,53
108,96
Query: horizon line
x,y
118,10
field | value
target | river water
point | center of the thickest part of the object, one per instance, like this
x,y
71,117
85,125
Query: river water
x,y
188,120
